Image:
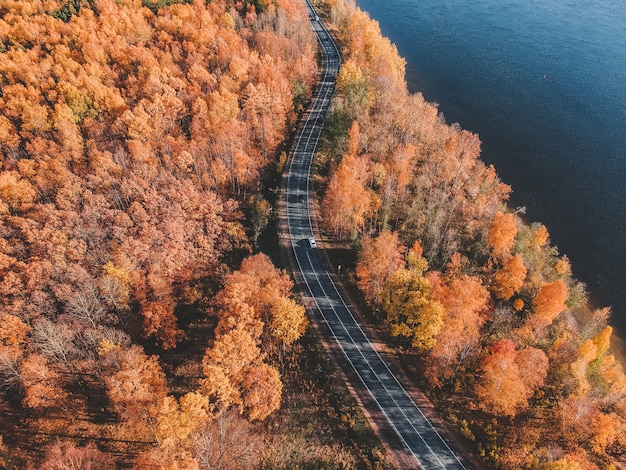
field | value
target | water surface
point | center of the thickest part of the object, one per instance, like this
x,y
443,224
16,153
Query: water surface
x,y
543,83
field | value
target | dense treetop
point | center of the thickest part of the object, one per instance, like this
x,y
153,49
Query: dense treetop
x,y
135,138
487,306
132,135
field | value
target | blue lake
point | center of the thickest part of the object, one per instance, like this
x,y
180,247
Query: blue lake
x,y
543,83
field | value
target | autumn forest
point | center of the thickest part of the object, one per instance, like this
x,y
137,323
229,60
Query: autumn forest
x,y
141,324
483,308
135,139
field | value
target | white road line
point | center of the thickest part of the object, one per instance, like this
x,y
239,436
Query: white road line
x,y
369,365
356,371
358,325
319,107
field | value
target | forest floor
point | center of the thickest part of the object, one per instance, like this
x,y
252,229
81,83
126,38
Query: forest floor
x,y
320,425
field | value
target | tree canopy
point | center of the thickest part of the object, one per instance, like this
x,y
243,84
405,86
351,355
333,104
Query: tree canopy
x,y
132,135
486,303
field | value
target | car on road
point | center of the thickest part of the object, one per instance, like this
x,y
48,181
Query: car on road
x,y
312,243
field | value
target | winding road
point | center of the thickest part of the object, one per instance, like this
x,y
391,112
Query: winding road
x,y
407,427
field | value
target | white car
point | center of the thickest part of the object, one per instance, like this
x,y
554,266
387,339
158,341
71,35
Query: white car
x,y
312,243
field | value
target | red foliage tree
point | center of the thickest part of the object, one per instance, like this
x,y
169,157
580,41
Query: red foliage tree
x,y
465,301
510,377
509,279
379,259
65,455
501,236
160,322
549,302
137,387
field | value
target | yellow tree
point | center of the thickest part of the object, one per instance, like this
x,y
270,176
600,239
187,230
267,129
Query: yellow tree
x,y
249,292
586,353
225,364
256,299
594,370
175,423
288,321
411,311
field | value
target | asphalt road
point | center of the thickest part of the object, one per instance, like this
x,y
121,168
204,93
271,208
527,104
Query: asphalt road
x,y
364,366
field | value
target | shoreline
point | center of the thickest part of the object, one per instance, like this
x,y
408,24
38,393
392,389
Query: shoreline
x,y
618,345
423,78
584,313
